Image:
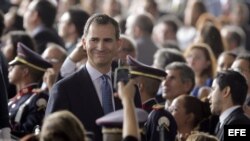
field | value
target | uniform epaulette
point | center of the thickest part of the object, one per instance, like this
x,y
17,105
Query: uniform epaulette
x,y
158,106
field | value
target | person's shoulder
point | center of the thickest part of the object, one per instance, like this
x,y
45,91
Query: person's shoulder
x,y
38,100
239,117
73,78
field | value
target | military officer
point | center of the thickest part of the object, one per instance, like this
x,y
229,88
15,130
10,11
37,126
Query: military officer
x,y
160,125
26,108
148,80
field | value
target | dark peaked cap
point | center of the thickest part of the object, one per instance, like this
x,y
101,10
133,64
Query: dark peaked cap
x,y
30,58
115,119
139,69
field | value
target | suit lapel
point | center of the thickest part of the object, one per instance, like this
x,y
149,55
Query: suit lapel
x,y
90,89
220,133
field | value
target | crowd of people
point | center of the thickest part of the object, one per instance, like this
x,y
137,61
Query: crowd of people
x,y
186,69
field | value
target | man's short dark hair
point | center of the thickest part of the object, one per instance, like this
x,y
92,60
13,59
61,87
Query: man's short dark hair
x,y
79,18
102,19
46,11
236,82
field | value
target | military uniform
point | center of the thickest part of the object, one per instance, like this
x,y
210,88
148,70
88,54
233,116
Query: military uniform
x,y
27,108
160,125
138,69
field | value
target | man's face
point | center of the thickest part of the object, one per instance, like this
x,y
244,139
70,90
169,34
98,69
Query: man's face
x,y
173,86
101,45
215,99
63,26
243,67
29,16
15,74
130,25
225,62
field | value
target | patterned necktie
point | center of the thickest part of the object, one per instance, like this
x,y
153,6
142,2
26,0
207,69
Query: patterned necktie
x,y
106,95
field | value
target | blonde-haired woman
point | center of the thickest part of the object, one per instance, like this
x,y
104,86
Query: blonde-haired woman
x,y
201,59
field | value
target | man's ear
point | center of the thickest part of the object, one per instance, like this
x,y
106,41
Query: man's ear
x,y
187,86
137,31
25,71
34,16
226,91
140,86
84,42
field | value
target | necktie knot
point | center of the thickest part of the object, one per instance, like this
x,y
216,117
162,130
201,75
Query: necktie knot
x,y
105,77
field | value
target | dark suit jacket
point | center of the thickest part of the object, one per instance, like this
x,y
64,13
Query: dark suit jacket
x,y
44,36
237,117
77,94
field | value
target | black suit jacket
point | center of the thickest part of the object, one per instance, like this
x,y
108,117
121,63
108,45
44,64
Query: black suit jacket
x,y
237,117
77,94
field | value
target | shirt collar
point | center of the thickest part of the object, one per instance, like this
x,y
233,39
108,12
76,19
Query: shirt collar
x,y
94,73
37,30
227,112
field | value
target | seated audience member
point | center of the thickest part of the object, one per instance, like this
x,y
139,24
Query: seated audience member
x,y
179,81
225,60
56,55
62,126
235,38
40,27
165,30
145,47
201,59
11,40
242,64
27,108
13,21
201,136
71,25
210,35
124,124
165,56
187,117
228,93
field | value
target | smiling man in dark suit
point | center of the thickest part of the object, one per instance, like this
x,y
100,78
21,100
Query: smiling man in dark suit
x,y
81,93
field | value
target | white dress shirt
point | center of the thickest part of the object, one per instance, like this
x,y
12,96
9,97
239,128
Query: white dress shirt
x,y
95,76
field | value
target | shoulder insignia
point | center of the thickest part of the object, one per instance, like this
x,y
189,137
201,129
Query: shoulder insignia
x,y
41,103
164,122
